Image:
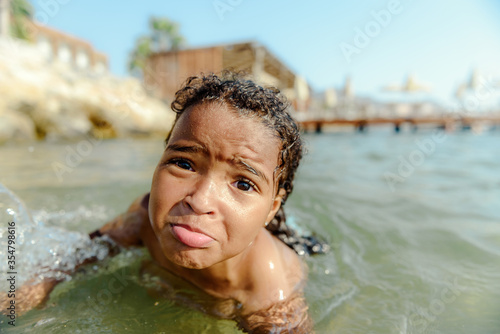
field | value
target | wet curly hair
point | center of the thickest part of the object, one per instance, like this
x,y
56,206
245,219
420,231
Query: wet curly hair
x,y
266,104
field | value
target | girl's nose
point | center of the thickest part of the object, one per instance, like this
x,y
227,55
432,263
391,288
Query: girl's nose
x,y
201,199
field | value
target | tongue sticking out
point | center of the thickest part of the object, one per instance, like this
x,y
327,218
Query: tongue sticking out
x,y
191,238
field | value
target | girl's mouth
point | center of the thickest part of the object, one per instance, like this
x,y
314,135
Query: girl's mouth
x,y
189,237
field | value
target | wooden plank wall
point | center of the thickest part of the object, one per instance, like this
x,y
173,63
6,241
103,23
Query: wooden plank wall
x,y
167,71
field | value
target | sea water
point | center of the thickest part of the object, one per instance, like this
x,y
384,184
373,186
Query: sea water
x,y
413,220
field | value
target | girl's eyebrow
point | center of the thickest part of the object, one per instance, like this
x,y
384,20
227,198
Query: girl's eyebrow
x,y
242,164
187,148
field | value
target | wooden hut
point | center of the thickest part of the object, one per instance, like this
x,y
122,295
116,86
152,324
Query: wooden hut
x,y
166,71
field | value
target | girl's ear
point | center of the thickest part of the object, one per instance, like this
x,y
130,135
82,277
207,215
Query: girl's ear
x,y
276,205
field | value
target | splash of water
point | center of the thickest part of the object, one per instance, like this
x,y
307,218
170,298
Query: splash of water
x,y
40,250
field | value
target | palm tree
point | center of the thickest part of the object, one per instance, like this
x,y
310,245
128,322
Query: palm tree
x,y
21,14
138,57
164,36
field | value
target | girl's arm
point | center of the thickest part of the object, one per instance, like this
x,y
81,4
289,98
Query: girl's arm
x,y
28,296
288,316
125,229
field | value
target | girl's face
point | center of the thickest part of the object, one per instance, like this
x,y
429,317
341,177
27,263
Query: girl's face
x,y
213,189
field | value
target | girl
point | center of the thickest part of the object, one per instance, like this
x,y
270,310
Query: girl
x,y
214,215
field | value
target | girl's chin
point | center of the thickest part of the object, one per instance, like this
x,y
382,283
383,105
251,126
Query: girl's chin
x,y
189,258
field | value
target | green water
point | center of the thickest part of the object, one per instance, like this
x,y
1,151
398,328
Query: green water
x,y
414,250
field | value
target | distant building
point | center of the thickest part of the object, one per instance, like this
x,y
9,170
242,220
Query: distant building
x,y
343,104
58,46
166,71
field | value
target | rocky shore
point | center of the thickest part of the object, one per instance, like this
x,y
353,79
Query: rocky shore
x,y
48,100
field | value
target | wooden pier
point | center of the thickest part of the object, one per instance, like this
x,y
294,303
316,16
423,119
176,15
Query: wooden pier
x,y
447,123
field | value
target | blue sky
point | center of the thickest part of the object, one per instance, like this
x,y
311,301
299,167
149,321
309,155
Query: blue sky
x,y
440,42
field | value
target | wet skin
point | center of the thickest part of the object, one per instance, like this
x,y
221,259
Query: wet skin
x,y
212,193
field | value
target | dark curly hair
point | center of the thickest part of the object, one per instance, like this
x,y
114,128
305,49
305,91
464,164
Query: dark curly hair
x,y
269,106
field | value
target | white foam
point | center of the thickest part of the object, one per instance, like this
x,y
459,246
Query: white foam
x,y
40,250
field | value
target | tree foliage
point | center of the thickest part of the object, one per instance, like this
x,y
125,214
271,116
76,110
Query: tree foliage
x,y
163,36
21,14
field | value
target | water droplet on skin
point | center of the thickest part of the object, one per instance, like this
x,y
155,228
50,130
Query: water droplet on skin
x,y
281,295
271,265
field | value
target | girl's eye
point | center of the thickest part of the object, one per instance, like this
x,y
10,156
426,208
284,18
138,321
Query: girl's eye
x,y
181,163
244,185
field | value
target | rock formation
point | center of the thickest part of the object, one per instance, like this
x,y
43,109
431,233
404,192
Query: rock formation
x,y
45,99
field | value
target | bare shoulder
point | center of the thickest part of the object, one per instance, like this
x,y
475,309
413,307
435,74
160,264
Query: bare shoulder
x,y
287,267
279,301
278,273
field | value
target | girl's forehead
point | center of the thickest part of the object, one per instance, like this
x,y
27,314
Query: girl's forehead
x,y
218,127
218,117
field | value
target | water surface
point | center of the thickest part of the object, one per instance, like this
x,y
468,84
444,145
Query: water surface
x,y
415,236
